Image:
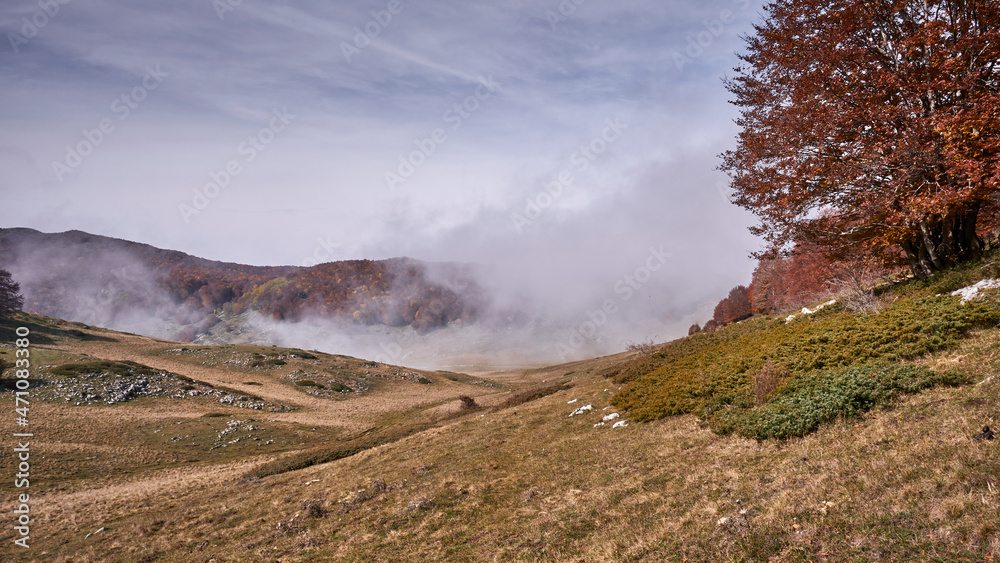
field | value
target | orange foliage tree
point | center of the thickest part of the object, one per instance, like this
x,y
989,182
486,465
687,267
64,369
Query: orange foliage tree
x,y
735,307
871,123
785,282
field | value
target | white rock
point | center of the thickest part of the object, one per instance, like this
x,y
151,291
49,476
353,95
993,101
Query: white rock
x,y
611,417
972,291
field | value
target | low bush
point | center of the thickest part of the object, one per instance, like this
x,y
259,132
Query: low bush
x,y
801,406
725,372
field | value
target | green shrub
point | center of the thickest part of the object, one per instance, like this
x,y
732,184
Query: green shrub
x,y
801,406
711,374
337,387
276,362
307,383
423,380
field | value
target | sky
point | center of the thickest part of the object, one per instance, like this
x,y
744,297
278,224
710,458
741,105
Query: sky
x,y
567,145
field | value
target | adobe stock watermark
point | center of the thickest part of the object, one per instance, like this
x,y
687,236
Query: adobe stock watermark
x,y
625,287
22,437
31,26
579,161
248,150
454,116
563,12
713,29
223,7
326,251
121,107
364,35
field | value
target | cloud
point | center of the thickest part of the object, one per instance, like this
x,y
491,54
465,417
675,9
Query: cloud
x,y
324,177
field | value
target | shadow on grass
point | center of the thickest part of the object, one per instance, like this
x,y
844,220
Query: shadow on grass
x,y
316,456
10,384
43,330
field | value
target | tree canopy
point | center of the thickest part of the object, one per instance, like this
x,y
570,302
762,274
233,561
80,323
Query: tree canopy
x,y
871,125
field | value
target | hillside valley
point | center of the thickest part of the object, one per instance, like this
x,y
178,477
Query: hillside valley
x,y
248,452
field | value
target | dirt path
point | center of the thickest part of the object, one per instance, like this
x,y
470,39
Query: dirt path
x,y
352,414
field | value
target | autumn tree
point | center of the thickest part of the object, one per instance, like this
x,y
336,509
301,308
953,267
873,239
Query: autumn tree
x,y
785,282
735,307
10,294
871,124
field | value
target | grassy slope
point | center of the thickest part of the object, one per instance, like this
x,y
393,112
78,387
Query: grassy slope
x,y
528,482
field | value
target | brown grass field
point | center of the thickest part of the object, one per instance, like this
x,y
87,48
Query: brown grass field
x,y
402,472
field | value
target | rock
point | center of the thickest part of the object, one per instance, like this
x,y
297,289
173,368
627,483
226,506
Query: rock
x,y
423,504
986,434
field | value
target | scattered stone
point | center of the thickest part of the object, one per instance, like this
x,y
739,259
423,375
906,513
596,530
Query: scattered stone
x,y
423,504
582,410
530,494
313,508
110,389
736,525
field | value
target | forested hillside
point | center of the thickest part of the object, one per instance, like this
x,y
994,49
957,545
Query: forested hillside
x,y
96,279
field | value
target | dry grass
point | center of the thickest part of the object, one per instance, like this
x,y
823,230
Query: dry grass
x,y
767,379
534,484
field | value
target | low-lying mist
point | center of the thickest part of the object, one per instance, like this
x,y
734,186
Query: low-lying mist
x,y
558,290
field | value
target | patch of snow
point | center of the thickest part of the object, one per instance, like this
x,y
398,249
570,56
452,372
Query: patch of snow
x,y
972,291
598,424
582,410
571,402
610,417
620,424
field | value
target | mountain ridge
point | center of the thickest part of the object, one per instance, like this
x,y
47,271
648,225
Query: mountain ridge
x,y
102,280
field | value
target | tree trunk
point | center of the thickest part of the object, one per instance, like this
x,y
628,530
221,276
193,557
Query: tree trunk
x,y
939,242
